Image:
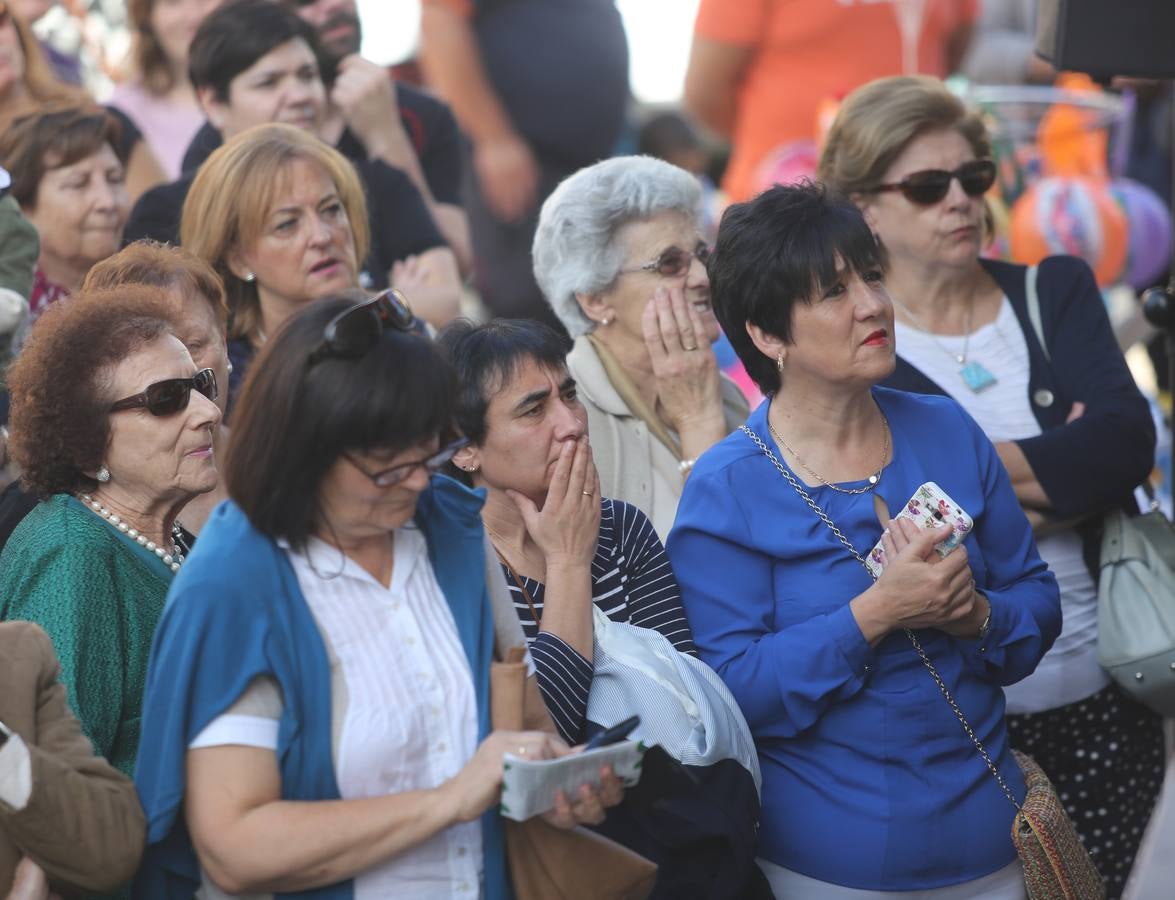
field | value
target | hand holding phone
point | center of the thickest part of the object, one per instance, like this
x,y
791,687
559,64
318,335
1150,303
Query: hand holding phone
x,y
613,735
930,507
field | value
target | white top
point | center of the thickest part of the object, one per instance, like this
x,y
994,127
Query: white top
x,y
1003,884
1069,672
16,773
404,711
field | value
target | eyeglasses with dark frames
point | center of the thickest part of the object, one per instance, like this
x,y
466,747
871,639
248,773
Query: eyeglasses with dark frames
x,y
355,331
392,476
166,398
673,261
929,186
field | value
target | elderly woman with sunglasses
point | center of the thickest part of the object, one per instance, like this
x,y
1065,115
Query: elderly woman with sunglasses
x,y
112,427
1067,420
619,257
317,707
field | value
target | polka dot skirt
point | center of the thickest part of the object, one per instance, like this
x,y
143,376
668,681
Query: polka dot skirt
x,y
1105,756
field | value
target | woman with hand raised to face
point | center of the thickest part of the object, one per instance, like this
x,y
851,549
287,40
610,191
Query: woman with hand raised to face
x,y
562,546
620,258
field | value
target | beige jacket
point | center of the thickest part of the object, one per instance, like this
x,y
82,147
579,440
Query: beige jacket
x,y
82,824
634,466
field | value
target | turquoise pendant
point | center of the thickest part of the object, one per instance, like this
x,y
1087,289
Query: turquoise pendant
x,y
976,376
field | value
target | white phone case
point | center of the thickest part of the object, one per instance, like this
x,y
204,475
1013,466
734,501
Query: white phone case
x,y
930,507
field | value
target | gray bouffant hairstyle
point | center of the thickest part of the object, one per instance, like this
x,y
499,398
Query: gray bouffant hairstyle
x,y
575,248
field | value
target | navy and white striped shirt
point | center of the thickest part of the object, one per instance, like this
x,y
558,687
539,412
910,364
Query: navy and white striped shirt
x,y
631,582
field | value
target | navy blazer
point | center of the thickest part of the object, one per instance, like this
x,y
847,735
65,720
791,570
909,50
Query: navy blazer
x,y
1094,463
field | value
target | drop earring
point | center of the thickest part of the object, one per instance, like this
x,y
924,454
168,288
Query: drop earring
x,y
102,475
779,363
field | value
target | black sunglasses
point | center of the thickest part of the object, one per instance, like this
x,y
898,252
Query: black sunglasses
x,y
930,185
394,475
166,398
673,261
353,332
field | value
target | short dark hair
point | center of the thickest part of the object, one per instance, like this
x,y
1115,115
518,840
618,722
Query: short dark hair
x,y
59,383
234,36
291,423
52,138
486,357
666,133
779,249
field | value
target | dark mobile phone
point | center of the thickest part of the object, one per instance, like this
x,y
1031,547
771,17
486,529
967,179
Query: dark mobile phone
x,y
613,735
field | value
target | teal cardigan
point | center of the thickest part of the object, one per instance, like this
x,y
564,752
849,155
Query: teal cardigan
x,y
98,595
235,612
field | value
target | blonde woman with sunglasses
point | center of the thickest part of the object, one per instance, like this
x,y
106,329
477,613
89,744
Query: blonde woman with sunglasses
x,y
1066,418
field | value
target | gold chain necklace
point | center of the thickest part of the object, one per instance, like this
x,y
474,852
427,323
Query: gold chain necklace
x,y
871,482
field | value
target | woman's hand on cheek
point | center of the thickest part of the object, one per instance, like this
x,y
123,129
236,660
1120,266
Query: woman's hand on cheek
x,y
568,525
684,365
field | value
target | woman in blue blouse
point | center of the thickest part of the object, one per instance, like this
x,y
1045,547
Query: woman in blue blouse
x,y
870,784
562,546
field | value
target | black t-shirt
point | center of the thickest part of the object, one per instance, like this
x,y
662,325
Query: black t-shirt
x,y
401,225
560,67
428,122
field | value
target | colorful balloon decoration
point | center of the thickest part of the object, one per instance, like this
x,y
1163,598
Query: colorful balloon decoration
x,y
786,165
1072,215
1149,244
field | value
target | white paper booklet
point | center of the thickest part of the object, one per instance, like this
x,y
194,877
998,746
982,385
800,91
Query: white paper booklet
x,y
529,786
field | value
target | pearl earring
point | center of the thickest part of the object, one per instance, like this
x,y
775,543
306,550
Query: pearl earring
x,y
230,367
779,363
605,322
250,277
102,475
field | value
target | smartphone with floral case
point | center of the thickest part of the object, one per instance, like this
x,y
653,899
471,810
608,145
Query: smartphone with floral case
x,y
930,507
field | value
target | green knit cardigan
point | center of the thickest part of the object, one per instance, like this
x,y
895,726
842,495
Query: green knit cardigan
x,y
99,596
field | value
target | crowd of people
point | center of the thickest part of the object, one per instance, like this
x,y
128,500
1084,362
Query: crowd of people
x,y
280,518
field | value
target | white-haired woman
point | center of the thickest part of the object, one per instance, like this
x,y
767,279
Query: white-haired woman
x,y
619,257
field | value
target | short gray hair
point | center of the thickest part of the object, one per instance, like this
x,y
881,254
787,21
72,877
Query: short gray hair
x,y
575,247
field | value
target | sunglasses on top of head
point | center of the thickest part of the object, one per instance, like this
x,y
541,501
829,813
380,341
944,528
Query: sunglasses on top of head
x,y
929,186
166,398
673,261
353,332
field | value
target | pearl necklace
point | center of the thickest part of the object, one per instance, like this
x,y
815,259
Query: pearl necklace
x,y
173,559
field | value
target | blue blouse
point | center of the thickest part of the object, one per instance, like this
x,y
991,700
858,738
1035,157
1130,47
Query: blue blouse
x,y
869,780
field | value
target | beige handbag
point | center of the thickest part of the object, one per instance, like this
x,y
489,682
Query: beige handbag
x,y
549,863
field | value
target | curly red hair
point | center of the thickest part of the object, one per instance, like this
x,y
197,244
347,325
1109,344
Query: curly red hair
x,y
60,383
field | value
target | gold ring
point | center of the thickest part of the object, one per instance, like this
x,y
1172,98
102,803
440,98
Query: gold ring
x,y
588,494
690,349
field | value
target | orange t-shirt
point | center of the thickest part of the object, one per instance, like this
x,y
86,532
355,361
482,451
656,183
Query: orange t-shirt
x,y
807,51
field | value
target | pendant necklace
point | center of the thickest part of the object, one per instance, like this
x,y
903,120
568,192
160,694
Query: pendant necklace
x,y
975,374
870,483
